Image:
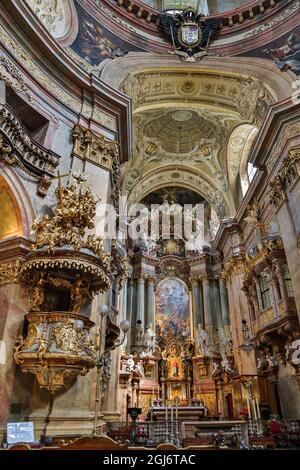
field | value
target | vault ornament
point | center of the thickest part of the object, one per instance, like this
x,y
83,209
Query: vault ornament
x,y
190,33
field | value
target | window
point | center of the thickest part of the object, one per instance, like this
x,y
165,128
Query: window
x,y
265,292
288,281
251,170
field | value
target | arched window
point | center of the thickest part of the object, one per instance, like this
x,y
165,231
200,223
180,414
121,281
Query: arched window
x,y
251,171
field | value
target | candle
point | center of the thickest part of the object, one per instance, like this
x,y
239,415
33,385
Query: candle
x,y
258,409
166,412
171,413
248,407
176,410
254,408
219,406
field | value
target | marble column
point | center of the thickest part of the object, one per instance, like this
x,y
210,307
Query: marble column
x,y
224,305
140,314
208,318
132,302
217,311
197,303
150,302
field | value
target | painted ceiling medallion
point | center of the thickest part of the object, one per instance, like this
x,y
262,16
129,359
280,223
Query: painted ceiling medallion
x,y
182,116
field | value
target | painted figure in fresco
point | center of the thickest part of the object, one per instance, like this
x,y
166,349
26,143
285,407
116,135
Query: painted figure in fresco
x,y
173,309
287,56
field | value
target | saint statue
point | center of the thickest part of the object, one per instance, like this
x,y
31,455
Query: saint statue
x,y
149,340
225,364
139,333
38,294
79,295
164,364
129,367
202,341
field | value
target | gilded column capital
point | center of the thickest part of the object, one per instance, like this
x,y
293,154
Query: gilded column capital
x,y
194,281
204,278
9,272
140,278
95,148
223,277
150,280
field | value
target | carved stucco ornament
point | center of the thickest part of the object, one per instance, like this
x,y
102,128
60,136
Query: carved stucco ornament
x,y
57,16
13,77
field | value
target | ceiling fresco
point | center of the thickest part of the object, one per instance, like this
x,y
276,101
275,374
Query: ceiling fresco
x,y
101,35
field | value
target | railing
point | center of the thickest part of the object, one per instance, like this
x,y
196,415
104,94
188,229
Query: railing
x,y
225,434
150,433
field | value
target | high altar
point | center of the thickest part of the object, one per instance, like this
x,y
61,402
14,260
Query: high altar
x,y
177,366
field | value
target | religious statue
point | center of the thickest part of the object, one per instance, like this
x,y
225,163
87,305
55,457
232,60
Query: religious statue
x,y
139,369
272,361
139,333
38,293
187,364
216,369
202,341
129,367
164,364
149,340
79,295
226,366
262,363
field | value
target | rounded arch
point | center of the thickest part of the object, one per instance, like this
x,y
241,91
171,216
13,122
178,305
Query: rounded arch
x,y
185,178
114,72
18,200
